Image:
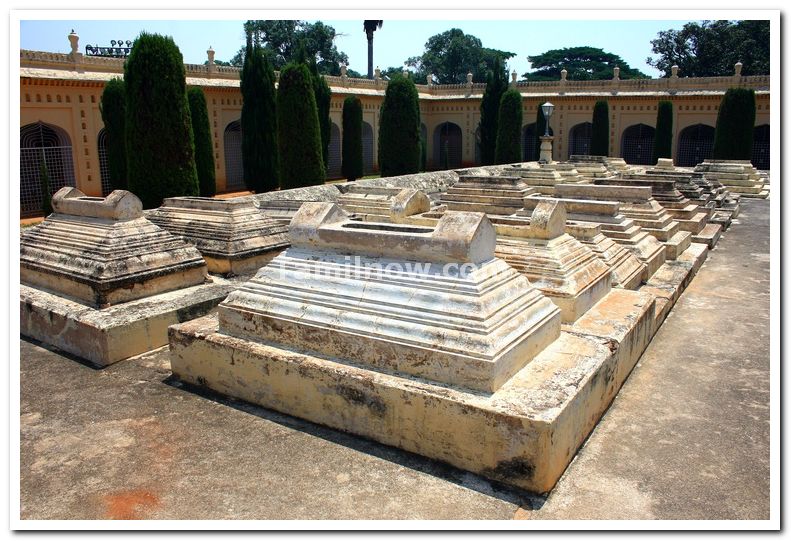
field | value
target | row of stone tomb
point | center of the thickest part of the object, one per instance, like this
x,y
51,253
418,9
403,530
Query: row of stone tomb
x,y
348,314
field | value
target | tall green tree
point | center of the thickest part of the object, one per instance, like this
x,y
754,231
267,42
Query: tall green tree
x,y
160,146
113,109
201,131
370,27
399,129
299,137
323,95
449,56
733,136
496,85
281,38
260,158
600,132
663,136
509,128
711,48
352,143
580,63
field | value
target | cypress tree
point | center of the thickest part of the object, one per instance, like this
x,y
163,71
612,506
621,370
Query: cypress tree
x,y
733,136
260,159
323,94
399,129
160,159
352,144
423,151
201,131
509,126
113,108
299,140
600,132
541,128
663,136
46,191
496,85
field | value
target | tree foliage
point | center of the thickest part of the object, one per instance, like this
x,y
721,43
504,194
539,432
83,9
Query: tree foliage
x,y
370,27
496,85
733,136
600,132
509,128
581,63
260,159
663,136
399,129
711,48
449,56
352,142
201,131
113,108
280,38
159,141
323,95
299,137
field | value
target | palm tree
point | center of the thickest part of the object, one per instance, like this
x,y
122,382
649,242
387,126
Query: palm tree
x,y
370,28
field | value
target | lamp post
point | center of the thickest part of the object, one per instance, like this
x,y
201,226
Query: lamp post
x,y
545,154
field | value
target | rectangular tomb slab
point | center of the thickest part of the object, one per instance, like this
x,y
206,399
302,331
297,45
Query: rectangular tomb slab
x,y
498,195
431,302
524,434
233,236
377,204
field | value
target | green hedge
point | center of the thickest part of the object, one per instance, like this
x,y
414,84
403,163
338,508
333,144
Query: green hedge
x,y
733,137
299,140
663,136
201,131
496,85
160,160
113,108
600,132
352,144
399,129
509,128
260,158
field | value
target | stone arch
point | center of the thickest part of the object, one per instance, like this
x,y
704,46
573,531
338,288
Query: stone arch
x,y
447,146
368,148
334,152
760,155
695,144
234,166
637,144
104,167
530,144
43,143
580,139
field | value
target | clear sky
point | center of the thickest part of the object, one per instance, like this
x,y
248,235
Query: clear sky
x,y
394,43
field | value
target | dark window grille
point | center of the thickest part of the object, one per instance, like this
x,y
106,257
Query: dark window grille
x,y
637,144
42,142
234,168
104,168
695,144
580,139
334,153
368,149
760,157
447,146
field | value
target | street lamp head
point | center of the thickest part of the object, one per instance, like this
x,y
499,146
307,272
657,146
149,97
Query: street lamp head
x,y
547,109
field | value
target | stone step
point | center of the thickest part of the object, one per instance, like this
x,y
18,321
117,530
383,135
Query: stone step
x,y
709,236
694,225
677,244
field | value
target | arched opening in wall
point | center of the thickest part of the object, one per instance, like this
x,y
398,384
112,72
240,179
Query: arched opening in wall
x,y
424,143
760,156
334,152
447,146
104,168
637,144
530,143
580,139
42,143
368,149
234,169
695,144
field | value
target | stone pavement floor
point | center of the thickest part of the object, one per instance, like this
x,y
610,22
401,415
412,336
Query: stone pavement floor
x,y
687,437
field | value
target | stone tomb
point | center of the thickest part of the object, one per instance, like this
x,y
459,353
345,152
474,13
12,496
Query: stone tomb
x,y
102,282
613,224
376,204
467,366
638,204
499,195
739,176
543,179
563,268
233,236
